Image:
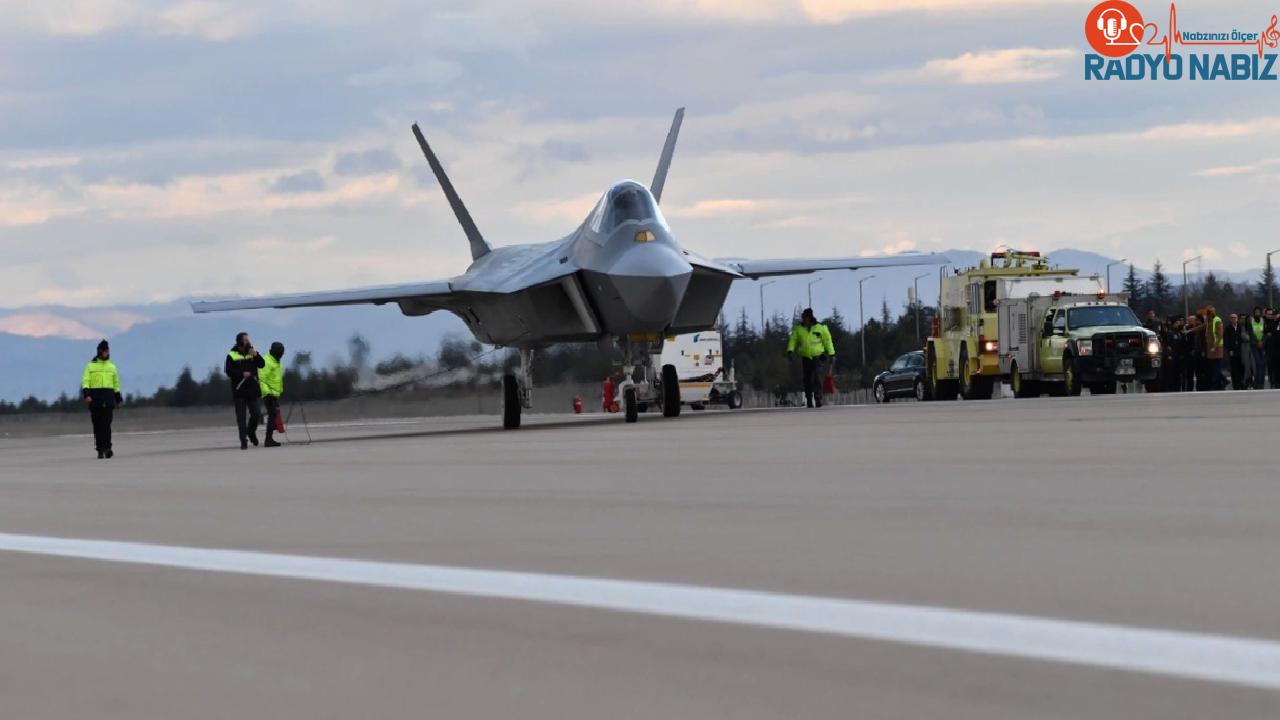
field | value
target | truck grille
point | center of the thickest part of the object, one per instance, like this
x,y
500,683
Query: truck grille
x,y
1118,345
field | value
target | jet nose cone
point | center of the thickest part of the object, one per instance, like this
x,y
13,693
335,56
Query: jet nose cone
x,y
651,280
652,300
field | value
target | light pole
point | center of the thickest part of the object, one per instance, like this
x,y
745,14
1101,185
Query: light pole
x,y
810,289
1186,304
862,323
1121,261
1270,302
763,285
916,284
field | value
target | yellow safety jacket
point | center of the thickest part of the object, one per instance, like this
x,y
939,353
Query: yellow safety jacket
x,y
101,383
811,342
271,377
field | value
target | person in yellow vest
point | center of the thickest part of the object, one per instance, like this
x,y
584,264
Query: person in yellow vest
x,y
241,366
100,388
271,379
812,341
1214,349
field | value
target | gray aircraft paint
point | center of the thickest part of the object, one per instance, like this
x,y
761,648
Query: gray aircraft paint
x,y
620,273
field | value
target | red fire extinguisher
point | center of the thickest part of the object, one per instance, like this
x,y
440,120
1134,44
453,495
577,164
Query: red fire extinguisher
x,y
829,384
577,404
609,389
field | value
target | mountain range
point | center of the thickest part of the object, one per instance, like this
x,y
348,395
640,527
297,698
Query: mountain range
x,y
44,348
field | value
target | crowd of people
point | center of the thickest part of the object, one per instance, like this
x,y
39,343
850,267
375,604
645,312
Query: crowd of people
x,y
255,380
1204,351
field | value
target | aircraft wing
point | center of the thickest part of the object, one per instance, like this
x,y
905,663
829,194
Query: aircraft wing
x,y
424,297
800,266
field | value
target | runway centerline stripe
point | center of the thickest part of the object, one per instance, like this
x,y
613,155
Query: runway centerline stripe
x,y
1218,658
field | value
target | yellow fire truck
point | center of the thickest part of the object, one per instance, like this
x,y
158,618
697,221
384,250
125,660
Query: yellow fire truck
x,y
962,356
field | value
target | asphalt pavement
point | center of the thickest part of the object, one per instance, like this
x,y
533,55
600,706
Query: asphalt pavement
x,y
1095,557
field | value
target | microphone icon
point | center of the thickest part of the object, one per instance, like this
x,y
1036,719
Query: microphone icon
x,y
1112,22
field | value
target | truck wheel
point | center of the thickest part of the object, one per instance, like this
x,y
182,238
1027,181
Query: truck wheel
x,y
880,395
735,400
1072,380
1022,388
971,387
942,390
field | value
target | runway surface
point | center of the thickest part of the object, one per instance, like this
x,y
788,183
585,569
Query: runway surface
x,y
1059,558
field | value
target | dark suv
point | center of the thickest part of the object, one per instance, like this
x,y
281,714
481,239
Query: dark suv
x,y
904,378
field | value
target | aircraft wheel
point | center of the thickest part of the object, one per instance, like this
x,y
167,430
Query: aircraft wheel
x,y
510,402
735,400
632,407
670,391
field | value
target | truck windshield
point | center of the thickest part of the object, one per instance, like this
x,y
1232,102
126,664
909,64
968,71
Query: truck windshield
x,y
1101,315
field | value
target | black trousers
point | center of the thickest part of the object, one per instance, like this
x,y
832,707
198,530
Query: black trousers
x,y
1238,380
101,417
1273,367
247,426
273,412
811,378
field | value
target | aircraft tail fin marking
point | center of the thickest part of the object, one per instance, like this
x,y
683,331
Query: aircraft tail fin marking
x,y
479,247
664,163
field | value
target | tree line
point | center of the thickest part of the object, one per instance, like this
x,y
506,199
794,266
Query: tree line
x,y
757,354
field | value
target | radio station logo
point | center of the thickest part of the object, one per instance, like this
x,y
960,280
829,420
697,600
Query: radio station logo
x,y
1115,28
1118,35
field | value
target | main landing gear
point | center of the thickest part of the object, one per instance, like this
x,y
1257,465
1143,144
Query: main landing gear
x,y
517,391
661,388
657,387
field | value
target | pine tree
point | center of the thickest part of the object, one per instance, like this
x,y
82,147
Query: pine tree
x,y
186,391
884,311
1159,293
1267,292
1136,290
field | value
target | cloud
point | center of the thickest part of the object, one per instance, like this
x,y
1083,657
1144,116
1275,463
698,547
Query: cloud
x,y
1233,170
992,67
300,182
366,162
213,20
838,11
47,325
422,72
217,21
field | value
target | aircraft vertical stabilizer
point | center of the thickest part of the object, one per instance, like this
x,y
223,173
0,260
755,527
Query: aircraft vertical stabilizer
x,y
479,247
664,163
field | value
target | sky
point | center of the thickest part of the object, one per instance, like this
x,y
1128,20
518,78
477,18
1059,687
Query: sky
x,y
151,150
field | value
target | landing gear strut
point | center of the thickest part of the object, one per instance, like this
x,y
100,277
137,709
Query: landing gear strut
x,y
517,391
662,389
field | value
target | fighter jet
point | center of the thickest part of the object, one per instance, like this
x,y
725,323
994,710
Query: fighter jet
x,y
620,277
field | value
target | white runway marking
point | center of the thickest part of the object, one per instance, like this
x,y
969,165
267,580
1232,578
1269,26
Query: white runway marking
x,y
1217,658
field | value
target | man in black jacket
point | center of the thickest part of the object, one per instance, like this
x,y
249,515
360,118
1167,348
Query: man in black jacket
x,y
1234,344
1271,343
241,368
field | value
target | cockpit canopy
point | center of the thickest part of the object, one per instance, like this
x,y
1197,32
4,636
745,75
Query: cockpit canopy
x,y
625,201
